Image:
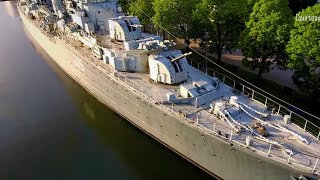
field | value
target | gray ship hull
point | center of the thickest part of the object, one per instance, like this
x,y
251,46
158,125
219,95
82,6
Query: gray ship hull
x,y
212,154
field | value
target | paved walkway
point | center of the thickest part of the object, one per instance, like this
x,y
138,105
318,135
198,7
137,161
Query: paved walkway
x,y
279,76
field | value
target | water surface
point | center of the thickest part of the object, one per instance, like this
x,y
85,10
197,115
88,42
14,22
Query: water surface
x,y
51,128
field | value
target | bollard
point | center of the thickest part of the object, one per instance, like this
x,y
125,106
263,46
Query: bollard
x,y
214,127
231,134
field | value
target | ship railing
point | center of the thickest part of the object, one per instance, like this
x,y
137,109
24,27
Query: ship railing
x,y
109,45
299,117
269,153
250,92
217,129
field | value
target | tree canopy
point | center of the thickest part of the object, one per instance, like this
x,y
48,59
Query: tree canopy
x,y
176,16
266,35
143,9
124,4
224,21
304,50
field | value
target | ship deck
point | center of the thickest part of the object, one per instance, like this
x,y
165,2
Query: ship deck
x,y
303,156
302,153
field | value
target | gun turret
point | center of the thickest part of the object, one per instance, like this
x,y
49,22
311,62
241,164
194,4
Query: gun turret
x,y
181,57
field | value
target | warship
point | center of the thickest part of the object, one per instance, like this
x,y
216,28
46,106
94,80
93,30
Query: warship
x,y
226,128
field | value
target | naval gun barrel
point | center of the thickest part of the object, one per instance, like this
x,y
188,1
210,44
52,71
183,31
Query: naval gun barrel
x,y
180,57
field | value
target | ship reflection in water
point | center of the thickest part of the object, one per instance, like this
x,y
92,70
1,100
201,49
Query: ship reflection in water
x,y
51,128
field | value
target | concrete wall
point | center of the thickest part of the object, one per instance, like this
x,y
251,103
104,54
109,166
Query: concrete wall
x,y
209,152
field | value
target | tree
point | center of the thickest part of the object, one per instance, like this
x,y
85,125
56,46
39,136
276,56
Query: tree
x,y
224,21
124,4
175,16
304,50
251,4
266,35
298,5
143,9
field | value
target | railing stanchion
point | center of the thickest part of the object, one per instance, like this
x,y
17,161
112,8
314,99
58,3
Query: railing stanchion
x,y
279,109
305,125
231,134
197,119
269,149
214,127
172,107
252,94
234,84
266,101
242,89
223,79
289,157
315,165
319,134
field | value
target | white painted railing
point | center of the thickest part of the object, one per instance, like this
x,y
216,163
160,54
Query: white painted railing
x,y
170,108
279,106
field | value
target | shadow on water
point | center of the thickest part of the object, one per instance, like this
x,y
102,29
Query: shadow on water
x,y
68,134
